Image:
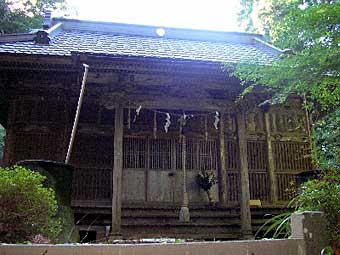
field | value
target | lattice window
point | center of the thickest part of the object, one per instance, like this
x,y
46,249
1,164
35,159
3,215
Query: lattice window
x,y
93,150
286,186
46,146
291,156
200,154
256,155
233,185
207,152
232,155
39,109
134,152
160,153
259,186
92,184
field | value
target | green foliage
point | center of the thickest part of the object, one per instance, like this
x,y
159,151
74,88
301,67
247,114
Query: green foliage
x,y
323,195
21,16
261,15
27,208
206,179
276,227
327,139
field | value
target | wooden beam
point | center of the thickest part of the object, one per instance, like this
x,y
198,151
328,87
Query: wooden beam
x,y
244,176
223,167
270,158
117,172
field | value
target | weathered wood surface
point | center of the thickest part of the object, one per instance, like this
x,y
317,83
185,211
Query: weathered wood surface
x,y
223,168
244,178
117,171
271,163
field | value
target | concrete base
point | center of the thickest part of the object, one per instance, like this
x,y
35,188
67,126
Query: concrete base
x,y
184,214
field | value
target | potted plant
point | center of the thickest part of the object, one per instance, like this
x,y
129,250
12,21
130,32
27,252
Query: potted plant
x,y
206,179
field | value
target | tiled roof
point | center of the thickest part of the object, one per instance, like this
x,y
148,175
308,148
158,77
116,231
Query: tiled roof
x,y
65,41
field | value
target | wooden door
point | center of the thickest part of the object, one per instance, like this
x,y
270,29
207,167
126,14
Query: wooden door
x,y
161,180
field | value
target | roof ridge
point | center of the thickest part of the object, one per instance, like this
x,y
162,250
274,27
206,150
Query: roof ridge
x,y
146,31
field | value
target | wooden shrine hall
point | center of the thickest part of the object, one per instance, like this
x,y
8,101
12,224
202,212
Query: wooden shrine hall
x,y
158,110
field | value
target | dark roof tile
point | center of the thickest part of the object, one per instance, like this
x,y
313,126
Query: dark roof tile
x,y
67,41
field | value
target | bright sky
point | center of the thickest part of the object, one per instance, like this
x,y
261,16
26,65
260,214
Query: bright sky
x,y
197,14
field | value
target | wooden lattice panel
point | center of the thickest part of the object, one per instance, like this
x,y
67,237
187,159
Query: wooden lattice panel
x,y
233,186
28,145
93,150
286,186
160,153
92,184
201,154
134,152
291,156
259,185
232,157
38,109
256,155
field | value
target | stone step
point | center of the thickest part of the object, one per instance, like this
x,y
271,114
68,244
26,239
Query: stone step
x,y
174,214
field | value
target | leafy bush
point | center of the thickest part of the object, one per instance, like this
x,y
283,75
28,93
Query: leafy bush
x,y
27,209
321,194
324,195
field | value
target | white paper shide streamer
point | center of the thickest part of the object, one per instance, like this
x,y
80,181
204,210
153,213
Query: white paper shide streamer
x,y
167,122
217,119
137,113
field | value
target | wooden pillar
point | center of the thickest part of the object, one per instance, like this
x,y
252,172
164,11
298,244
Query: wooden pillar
x,y
223,168
271,165
117,172
244,173
184,214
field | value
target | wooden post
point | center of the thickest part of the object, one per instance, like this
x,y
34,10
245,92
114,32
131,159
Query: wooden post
x,y
245,194
184,214
223,168
117,172
271,165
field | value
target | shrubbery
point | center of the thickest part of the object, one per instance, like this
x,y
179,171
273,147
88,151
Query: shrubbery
x,y
324,195
27,209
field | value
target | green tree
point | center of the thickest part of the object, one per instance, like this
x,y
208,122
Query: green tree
x,y
311,70
27,209
18,16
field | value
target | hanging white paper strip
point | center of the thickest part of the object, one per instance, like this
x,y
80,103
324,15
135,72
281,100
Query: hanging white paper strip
x,y
167,123
217,119
137,113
